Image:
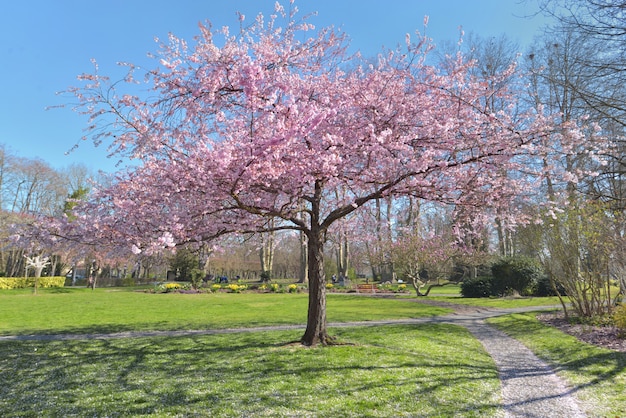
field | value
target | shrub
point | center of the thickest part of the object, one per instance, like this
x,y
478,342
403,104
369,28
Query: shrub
x,y
58,281
183,262
236,288
170,287
619,316
197,276
265,276
128,281
515,274
23,282
275,287
544,287
479,287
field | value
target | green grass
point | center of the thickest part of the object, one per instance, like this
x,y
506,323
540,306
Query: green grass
x,y
79,310
448,290
382,372
504,303
598,376
400,370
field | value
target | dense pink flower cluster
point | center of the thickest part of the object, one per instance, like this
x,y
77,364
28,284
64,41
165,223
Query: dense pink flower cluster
x,y
270,123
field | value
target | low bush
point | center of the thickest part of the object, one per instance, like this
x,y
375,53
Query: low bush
x,y
170,287
515,274
619,317
544,287
197,278
24,282
479,287
236,288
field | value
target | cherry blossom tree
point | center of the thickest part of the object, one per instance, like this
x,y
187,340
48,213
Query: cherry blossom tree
x,y
235,130
427,252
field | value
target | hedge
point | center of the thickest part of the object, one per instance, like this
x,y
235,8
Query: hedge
x,y
515,274
21,282
478,287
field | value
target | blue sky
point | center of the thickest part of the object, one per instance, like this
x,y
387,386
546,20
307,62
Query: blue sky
x,y
45,44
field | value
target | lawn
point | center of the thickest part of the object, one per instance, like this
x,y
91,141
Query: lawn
x,y
392,371
501,303
397,370
80,310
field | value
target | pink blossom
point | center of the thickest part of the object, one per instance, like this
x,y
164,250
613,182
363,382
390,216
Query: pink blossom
x,y
282,124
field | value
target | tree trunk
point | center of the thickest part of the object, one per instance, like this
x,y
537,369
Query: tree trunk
x,y
304,259
316,319
266,254
342,255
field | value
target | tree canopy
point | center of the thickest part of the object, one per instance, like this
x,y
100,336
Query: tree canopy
x,y
233,131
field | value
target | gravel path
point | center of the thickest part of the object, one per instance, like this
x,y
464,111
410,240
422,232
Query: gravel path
x,y
530,388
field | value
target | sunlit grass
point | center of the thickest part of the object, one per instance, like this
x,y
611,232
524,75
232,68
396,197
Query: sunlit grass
x,y
447,290
380,372
421,370
113,310
598,376
451,290
503,303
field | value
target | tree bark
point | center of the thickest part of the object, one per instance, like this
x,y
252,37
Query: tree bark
x,y
316,315
303,275
316,319
266,254
342,255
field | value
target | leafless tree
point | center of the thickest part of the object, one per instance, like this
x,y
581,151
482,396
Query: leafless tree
x,y
576,68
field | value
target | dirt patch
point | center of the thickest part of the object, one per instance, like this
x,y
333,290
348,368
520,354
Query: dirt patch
x,y
601,336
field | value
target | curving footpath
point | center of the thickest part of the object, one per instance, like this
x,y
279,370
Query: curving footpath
x,y
530,388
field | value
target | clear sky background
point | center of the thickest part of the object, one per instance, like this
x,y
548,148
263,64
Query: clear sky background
x,y
45,44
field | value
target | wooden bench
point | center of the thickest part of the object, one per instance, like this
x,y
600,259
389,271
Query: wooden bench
x,y
366,287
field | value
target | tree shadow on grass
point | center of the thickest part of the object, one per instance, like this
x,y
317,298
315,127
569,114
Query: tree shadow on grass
x,y
58,290
602,372
152,329
246,374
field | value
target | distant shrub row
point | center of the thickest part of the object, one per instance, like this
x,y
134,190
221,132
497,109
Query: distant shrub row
x,y
510,275
21,282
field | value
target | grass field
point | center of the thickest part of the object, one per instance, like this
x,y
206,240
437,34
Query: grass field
x,y
395,371
517,302
398,370
80,310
